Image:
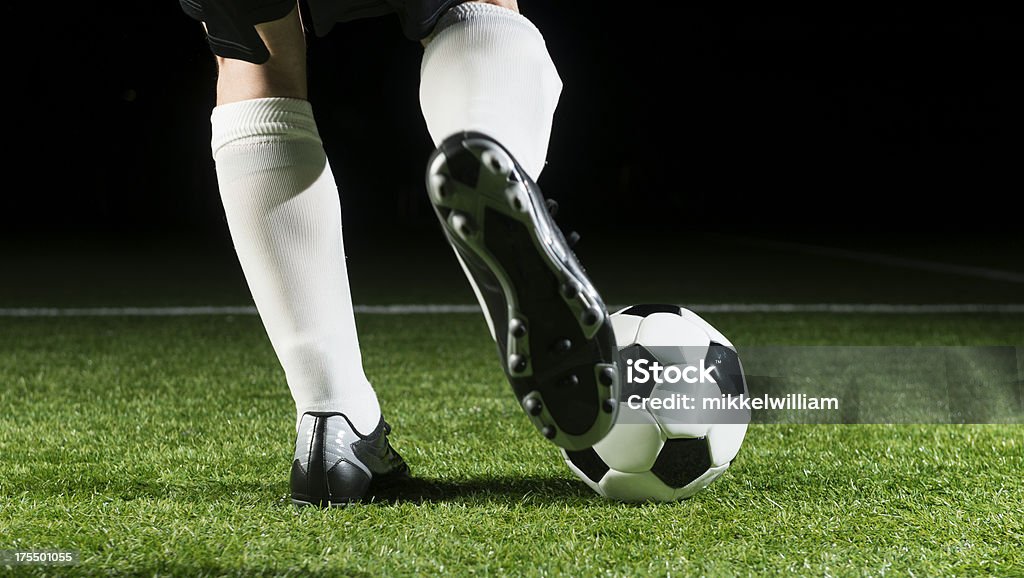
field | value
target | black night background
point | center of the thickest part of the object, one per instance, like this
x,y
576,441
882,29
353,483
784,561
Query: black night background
x,y
768,120
868,129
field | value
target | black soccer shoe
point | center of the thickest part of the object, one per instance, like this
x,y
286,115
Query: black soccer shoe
x,y
554,338
334,464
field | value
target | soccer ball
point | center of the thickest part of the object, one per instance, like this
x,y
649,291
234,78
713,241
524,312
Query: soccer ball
x,y
662,448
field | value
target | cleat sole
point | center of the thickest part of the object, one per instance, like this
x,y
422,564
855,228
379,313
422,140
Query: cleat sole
x,y
550,325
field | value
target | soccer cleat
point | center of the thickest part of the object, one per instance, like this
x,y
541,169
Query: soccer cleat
x,y
552,329
334,464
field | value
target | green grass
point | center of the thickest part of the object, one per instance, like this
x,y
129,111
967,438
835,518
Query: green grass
x,y
162,445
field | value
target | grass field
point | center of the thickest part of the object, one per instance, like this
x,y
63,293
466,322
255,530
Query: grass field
x,y
162,445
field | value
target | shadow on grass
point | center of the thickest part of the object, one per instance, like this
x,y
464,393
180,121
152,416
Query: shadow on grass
x,y
498,489
486,490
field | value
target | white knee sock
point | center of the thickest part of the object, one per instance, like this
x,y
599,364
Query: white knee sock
x,y
487,69
284,215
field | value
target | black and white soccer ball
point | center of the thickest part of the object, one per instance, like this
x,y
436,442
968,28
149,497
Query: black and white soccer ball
x,y
655,452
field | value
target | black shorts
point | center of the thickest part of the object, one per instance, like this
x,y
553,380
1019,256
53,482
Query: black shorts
x,y
231,24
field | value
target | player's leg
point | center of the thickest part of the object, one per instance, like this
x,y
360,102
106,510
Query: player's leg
x,y
488,93
282,75
284,215
486,68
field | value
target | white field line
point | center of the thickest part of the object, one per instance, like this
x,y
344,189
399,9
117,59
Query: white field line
x,y
854,308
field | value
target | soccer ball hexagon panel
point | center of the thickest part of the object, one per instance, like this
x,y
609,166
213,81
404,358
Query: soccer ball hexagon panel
x,y
651,454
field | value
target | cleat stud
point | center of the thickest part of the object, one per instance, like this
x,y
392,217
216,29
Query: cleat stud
x,y
493,162
606,376
517,363
608,405
573,239
570,381
517,328
549,432
514,196
591,316
533,406
561,346
440,185
462,224
552,206
570,289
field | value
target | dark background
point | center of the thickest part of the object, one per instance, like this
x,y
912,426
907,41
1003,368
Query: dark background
x,y
767,122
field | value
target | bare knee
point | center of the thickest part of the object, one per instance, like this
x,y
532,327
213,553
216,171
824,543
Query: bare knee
x,y
239,80
283,75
